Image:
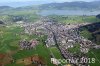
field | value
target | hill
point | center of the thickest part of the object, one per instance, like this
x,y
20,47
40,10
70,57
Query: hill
x,y
5,7
73,5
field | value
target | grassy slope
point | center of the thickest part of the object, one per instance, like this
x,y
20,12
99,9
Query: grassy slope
x,y
56,52
94,54
9,39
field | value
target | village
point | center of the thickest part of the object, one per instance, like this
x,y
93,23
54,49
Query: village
x,y
66,38
63,37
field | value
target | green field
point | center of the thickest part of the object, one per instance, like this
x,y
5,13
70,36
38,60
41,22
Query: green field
x,y
94,53
9,39
12,16
74,19
56,52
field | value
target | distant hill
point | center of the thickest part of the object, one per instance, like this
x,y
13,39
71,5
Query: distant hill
x,y
26,3
95,5
5,7
77,5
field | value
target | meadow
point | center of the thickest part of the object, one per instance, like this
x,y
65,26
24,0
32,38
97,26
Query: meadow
x,y
74,19
9,40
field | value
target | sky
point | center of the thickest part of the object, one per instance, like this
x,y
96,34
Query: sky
x,y
3,1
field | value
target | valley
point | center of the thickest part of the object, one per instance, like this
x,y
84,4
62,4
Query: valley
x,y
50,35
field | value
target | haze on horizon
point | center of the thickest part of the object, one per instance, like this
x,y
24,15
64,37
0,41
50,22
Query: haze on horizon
x,y
5,1
18,3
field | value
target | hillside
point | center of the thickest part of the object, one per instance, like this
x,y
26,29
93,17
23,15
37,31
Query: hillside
x,y
5,7
73,5
94,31
10,14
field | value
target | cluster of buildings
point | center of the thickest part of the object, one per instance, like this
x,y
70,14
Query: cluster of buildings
x,y
60,35
65,37
28,44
